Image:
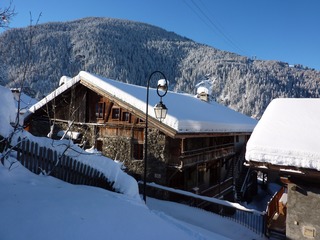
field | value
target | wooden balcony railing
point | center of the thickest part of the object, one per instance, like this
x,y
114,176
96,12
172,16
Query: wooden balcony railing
x,y
206,154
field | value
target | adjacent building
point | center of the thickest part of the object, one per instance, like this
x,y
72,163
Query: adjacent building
x,y
285,146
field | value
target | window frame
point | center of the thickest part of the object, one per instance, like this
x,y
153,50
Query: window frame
x,y
115,116
100,110
126,116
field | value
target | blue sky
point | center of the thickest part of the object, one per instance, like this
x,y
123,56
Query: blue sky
x,y
285,30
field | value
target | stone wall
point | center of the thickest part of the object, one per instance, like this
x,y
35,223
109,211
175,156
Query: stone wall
x,y
120,148
303,212
157,157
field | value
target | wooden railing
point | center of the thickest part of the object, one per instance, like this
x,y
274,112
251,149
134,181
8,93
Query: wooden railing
x,y
47,161
273,205
206,154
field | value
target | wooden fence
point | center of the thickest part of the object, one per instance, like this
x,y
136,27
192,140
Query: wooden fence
x,y
49,162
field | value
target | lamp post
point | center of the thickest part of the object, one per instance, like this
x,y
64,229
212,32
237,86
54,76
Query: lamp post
x,y
160,111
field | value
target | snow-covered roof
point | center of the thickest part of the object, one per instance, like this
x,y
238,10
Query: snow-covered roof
x,y
186,113
288,134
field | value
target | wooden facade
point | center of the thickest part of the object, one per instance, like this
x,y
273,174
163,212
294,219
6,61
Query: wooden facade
x,y
204,163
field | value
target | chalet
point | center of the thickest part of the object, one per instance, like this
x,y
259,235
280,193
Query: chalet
x,y
285,146
198,147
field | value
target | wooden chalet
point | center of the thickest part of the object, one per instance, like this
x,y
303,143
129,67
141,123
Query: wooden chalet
x,y
198,147
284,146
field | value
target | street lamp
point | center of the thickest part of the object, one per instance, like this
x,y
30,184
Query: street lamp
x,y
160,111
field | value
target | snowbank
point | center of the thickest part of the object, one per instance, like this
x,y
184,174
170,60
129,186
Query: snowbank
x,y
123,183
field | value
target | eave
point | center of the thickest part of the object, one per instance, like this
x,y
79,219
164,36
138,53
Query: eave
x,y
209,134
287,171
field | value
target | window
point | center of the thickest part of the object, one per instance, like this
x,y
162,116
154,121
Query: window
x,y
125,117
139,120
100,108
115,113
138,151
99,144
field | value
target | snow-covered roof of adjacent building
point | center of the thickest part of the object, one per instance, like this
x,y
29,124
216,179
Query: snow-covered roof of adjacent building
x,y
288,134
186,113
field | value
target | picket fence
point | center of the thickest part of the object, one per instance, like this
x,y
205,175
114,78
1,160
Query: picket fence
x,y
49,162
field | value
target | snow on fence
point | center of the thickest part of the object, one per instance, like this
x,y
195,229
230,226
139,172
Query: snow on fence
x,y
250,218
49,162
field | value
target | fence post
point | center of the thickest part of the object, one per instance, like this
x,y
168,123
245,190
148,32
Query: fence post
x,y
28,154
68,167
84,176
48,166
41,159
56,165
19,151
63,161
90,174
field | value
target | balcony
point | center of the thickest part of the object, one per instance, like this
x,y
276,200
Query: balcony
x,y
202,155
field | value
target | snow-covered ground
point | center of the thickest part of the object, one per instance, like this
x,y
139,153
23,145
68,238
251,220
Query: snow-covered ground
x,y
42,207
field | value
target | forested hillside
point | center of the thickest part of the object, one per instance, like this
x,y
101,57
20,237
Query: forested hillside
x,y
129,51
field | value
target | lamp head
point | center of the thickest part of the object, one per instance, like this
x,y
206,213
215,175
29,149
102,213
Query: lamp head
x,y
160,111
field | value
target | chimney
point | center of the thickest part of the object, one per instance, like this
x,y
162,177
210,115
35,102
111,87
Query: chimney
x,y
203,94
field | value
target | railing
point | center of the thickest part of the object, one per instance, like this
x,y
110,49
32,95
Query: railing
x,y
252,219
45,160
245,182
273,205
215,190
206,154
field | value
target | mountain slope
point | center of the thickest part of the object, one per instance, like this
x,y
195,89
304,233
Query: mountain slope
x,y
129,51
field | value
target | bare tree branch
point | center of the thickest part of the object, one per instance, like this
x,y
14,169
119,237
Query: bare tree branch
x,y
6,14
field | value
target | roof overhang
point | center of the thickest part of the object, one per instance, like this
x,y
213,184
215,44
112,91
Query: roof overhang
x,y
287,171
210,134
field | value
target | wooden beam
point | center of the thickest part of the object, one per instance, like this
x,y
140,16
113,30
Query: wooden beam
x,y
287,171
